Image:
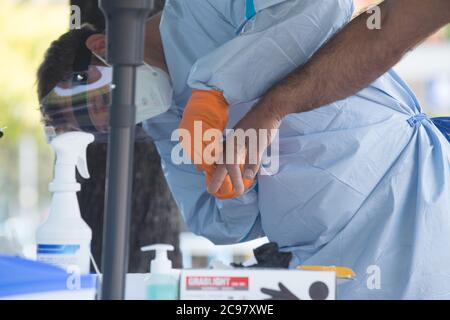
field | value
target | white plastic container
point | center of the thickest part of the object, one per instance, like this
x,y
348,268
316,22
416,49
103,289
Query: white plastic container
x,y
64,239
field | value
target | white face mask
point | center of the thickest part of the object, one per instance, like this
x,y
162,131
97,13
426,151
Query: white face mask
x,y
153,92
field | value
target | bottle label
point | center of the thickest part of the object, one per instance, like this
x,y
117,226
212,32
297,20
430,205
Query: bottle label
x,y
64,256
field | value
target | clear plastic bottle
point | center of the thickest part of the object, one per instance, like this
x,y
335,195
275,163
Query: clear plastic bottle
x,y
163,281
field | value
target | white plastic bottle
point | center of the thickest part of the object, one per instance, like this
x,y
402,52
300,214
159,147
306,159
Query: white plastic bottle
x,y
64,239
163,281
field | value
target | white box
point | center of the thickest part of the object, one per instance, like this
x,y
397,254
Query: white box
x,y
257,284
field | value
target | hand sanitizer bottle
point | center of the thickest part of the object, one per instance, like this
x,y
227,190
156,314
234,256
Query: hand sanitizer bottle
x,y
64,239
163,281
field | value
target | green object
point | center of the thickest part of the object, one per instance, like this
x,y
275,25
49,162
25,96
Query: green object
x,y
162,287
162,283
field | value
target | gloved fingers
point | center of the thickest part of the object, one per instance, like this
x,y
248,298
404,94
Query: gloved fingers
x,y
210,108
274,294
218,177
225,189
250,171
233,160
232,168
236,178
248,183
204,120
282,294
251,167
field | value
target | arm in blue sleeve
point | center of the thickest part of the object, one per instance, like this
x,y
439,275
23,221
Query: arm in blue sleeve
x,y
279,37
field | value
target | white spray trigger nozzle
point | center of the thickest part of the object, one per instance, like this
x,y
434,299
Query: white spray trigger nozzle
x,y
82,164
70,149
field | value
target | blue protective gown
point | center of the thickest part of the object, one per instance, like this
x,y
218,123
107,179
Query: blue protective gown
x,y
363,182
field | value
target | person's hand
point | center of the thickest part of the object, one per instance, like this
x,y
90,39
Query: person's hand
x,y
206,115
244,148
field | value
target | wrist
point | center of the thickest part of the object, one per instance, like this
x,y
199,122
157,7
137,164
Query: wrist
x,y
277,104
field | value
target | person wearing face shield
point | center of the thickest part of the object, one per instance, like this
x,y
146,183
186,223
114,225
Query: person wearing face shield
x,y
149,212
80,99
362,182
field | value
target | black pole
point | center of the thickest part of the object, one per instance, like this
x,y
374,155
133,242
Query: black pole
x,y
125,29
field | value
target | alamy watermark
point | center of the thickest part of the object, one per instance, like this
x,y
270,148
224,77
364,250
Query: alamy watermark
x,y
373,277
73,281
209,147
75,17
374,21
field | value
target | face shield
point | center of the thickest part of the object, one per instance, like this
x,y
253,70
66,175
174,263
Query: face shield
x,y
81,101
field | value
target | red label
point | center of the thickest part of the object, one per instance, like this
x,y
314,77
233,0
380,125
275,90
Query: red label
x,y
216,283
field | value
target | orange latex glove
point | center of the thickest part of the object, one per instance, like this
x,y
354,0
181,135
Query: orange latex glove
x,y
211,108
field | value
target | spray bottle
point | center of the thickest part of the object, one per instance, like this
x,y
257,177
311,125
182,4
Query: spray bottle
x,y
163,281
64,239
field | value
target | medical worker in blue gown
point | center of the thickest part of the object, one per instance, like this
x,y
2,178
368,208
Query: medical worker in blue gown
x,y
363,182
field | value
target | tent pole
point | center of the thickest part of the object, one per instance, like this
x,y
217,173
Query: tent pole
x,y
125,29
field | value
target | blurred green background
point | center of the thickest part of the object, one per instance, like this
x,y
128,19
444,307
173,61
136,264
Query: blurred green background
x,y
26,30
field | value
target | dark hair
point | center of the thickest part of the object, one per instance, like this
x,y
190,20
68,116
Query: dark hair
x,y
60,58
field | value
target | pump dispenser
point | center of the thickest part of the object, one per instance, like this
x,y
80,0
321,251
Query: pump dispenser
x,y
64,239
162,284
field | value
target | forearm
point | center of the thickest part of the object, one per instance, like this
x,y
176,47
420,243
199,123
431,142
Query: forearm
x,y
357,56
154,53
